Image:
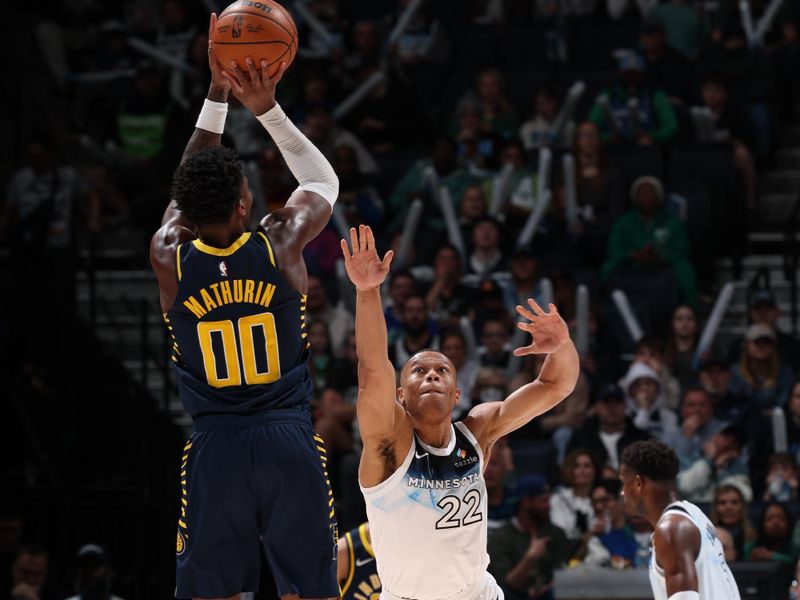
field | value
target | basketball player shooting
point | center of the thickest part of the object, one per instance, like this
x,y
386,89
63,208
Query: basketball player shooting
x,y
688,561
421,475
253,475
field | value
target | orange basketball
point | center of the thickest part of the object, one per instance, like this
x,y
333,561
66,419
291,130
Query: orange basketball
x,y
261,29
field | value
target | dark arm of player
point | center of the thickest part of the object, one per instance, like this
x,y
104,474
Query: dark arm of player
x,y
677,542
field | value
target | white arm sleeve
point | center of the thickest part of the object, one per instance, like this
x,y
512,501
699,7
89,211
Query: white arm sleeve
x,y
313,171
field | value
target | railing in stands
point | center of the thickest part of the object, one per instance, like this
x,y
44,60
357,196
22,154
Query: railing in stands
x,y
791,259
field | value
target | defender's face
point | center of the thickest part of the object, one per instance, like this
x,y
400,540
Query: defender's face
x,y
428,389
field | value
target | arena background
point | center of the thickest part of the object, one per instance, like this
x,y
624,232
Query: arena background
x,y
462,111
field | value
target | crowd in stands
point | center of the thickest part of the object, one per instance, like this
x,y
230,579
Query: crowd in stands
x,y
678,108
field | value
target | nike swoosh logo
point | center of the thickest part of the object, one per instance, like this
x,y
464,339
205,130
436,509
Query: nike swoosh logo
x,y
418,455
361,563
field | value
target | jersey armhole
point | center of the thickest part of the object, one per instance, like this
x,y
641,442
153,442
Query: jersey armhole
x,y
376,490
269,248
362,533
178,261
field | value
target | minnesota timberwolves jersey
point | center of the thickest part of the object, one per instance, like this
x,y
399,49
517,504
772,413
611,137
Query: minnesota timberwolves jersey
x,y
362,581
430,517
240,345
714,578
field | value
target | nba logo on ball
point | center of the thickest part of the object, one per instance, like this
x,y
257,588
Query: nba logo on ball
x,y
262,30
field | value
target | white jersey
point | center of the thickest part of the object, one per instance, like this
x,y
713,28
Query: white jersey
x,y
428,523
714,578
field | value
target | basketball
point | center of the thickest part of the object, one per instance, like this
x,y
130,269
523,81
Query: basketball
x,y
262,29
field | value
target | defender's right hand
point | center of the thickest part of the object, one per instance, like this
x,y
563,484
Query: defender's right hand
x,y
363,266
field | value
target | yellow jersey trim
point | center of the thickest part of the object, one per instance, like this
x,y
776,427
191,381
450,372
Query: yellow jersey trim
x,y
269,248
178,261
222,251
362,533
351,570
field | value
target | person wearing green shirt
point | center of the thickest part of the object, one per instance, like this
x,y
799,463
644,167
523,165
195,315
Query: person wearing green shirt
x,y
654,121
648,236
526,551
775,540
681,24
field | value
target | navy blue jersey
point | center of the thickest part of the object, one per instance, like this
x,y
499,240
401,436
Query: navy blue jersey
x,y
362,581
239,330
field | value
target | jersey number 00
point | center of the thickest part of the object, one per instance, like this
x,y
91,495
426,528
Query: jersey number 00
x,y
246,346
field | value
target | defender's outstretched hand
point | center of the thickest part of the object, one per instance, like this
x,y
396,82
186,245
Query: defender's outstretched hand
x,y
363,266
548,329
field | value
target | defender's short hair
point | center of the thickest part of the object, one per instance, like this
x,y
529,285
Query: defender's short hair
x,y
652,459
207,186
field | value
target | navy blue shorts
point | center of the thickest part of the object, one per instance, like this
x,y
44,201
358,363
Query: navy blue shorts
x,y
250,483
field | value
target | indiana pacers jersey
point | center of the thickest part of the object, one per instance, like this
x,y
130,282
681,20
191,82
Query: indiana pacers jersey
x,y
714,578
362,581
429,517
240,345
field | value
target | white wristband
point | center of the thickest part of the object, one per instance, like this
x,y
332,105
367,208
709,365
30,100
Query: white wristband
x,y
212,116
685,596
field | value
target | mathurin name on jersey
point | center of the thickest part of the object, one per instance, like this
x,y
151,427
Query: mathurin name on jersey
x,y
443,484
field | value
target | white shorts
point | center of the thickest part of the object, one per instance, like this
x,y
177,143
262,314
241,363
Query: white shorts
x,y
484,590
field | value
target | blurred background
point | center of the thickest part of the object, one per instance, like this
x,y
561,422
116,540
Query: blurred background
x,y
635,162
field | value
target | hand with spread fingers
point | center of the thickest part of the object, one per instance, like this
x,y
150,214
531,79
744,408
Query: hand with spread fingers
x,y
364,268
254,89
548,329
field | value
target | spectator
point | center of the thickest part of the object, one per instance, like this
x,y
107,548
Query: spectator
x,y
518,189
609,432
648,238
793,420
649,350
722,463
454,347
401,287
571,505
539,131
684,333
524,283
334,422
645,403
617,8
494,351
344,373
781,484
327,136
759,376
774,541
715,379
477,144
598,184
95,575
525,552
336,317
448,300
416,333
423,42
764,309
567,417
655,120
731,125
29,575
414,184
473,208
365,51
496,112
612,542
698,426
490,386
729,510
486,256
360,201
321,361
501,498
681,24
668,69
